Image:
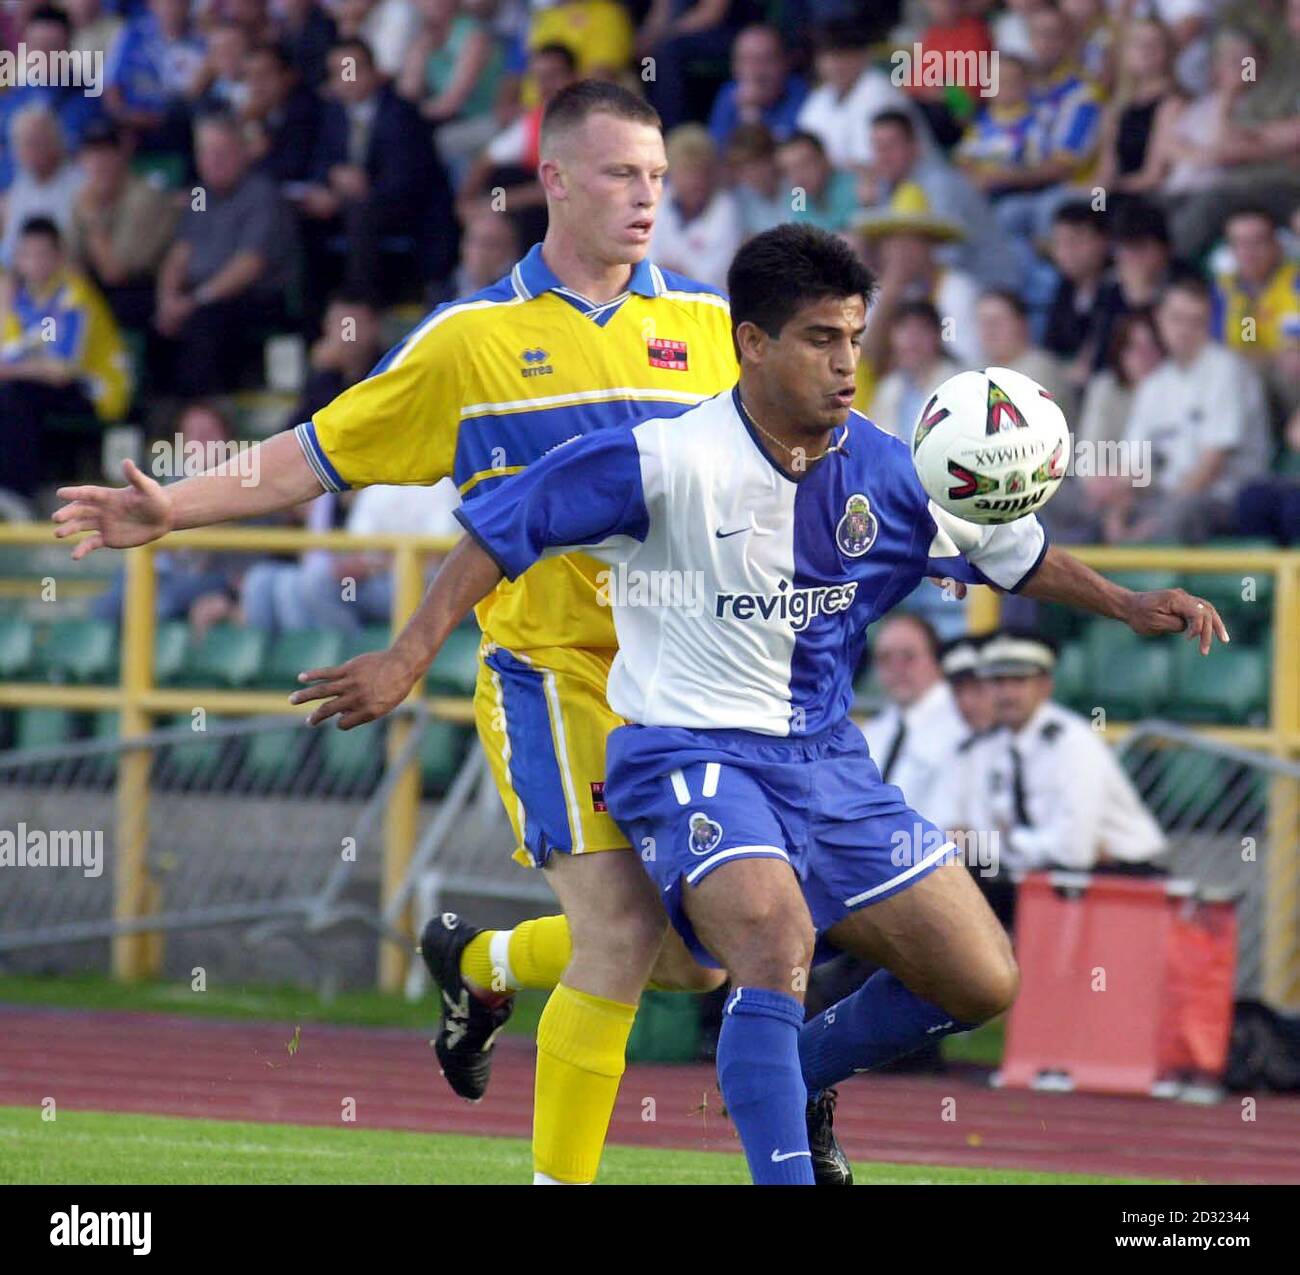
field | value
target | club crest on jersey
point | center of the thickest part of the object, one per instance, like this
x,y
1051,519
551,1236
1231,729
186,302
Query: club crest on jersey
x,y
667,354
535,363
856,531
706,834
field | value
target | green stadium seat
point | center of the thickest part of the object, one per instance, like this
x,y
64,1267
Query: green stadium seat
x,y
227,656
106,724
352,758
170,644
1137,685
272,758
1144,581
1229,686
442,749
80,651
1246,619
1071,682
293,653
1186,785
198,761
17,649
44,727
374,637
455,670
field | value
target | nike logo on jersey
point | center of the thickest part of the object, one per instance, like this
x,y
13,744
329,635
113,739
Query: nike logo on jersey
x,y
722,535
778,1156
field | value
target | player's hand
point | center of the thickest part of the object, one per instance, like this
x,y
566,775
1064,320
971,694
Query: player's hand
x,y
1176,611
116,517
357,692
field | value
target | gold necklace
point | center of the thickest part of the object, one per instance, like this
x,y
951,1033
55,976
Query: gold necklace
x,y
749,416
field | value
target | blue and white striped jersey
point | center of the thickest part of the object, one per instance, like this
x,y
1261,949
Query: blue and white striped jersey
x,y
741,597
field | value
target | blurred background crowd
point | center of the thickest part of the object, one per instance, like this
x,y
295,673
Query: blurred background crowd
x,y
266,193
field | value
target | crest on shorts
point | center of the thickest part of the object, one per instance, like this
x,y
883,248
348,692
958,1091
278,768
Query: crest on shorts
x,y
856,530
706,833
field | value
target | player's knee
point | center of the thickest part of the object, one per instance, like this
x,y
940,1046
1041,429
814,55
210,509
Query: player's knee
x,y
775,952
989,991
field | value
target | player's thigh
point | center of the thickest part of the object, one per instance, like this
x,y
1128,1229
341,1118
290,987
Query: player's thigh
x,y
543,730
750,913
940,937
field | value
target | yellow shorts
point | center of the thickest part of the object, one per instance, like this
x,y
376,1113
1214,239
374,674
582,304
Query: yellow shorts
x,y
543,720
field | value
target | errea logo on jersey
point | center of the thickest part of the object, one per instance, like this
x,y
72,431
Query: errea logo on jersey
x,y
799,606
535,363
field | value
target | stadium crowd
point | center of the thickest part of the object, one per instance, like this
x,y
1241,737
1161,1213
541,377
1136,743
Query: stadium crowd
x,y
1112,206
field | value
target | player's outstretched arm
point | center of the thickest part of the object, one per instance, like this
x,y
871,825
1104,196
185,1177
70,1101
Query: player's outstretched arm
x,y
1063,578
144,510
373,684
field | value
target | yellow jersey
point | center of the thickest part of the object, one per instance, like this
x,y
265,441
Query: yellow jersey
x,y
1274,309
485,385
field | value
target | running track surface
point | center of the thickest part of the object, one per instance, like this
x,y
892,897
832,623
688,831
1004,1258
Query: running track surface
x,y
173,1066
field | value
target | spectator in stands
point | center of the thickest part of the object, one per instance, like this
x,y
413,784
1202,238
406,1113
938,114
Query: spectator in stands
x,y
452,73
511,158
1043,781
1064,137
93,27
377,181
230,264
1011,27
222,85
1083,307
199,586
1092,35
121,227
1270,507
60,353
953,30
1140,239
825,196
252,16
490,244
154,76
755,178
960,661
599,34
906,235
900,157
1003,322
679,34
47,180
850,93
1145,109
919,366
347,348
349,590
1260,292
698,225
46,34
997,141
1203,415
762,88
280,116
386,27
1084,508
307,33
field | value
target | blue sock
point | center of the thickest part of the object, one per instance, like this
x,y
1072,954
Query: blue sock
x,y
758,1069
880,1021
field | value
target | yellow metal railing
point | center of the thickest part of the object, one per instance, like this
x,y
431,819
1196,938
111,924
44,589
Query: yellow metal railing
x,y
140,702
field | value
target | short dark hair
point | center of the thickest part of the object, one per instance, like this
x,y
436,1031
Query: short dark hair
x,y
839,34
354,44
1007,297
572,106
923,310
1079,212
1190,282
1141,317
1140,221
782,269
802,135
43,226
274,50
927,629
48,13
556,50
895,119
1252,210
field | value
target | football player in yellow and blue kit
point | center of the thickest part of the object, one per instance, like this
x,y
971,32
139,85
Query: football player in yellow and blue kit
x,y
584,334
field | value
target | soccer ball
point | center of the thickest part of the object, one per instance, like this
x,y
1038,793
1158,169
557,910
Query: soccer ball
x,y
991,446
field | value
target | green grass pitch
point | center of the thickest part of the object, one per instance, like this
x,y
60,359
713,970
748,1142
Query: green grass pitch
x,y
91,1148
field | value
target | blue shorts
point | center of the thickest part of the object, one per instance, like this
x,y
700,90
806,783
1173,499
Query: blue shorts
x,y
692,800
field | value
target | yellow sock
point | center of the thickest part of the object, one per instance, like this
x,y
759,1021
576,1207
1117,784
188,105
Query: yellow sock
x,y
581,1043
533,954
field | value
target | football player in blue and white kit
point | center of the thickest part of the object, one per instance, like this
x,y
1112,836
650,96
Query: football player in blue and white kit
x,y
771,525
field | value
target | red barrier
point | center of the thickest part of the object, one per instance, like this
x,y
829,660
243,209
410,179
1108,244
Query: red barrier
x,y
1125,982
